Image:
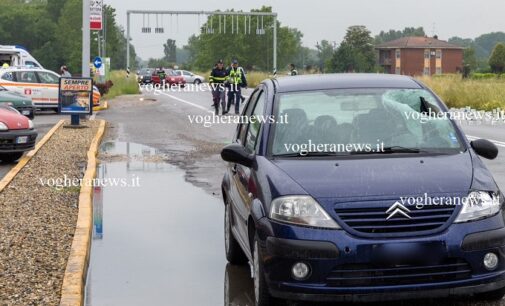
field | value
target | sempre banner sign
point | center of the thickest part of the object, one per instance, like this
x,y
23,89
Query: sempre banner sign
x,y
75,96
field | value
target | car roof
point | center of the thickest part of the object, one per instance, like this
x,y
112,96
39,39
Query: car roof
x,y
344,80
23,69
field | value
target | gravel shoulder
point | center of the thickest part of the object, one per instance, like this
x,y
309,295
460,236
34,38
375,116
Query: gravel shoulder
x,y
37,221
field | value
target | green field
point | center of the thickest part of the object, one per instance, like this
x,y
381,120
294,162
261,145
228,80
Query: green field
x,y
485,94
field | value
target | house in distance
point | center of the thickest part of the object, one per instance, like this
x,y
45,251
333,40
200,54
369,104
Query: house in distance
x,y
417,56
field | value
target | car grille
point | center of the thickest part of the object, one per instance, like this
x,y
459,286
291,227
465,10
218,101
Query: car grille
x,y
373,220
357,275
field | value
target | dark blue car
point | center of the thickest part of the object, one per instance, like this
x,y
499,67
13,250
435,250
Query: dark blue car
x,y
360,187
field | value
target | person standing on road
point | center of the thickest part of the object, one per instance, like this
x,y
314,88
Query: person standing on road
x,y
217,80
235,79
64,72
292,70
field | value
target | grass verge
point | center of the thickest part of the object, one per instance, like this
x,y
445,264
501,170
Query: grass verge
x,y
487,94
122,84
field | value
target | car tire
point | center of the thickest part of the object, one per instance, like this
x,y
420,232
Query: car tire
x,y
10,157
234,253
262,296
197,82
495,295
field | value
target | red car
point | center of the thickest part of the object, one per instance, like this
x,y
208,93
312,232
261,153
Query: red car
x,y
171,77
17,134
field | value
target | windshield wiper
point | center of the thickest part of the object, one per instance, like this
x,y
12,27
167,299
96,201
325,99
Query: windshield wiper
x,y
392,149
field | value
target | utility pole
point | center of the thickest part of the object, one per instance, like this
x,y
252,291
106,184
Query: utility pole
x,y
128,40
275,43
85,39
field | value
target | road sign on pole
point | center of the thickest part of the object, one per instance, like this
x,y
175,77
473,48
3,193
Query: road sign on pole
x,y
98,62
96,15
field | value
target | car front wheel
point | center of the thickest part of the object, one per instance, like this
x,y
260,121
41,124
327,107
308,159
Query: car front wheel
x,y
261,295
10,157
197,82
234,253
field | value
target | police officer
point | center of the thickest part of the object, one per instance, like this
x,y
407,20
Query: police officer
x,y
292,70
217,79
236,80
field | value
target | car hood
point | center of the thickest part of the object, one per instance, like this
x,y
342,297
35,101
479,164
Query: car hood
x,y
14,121
374,177
11,96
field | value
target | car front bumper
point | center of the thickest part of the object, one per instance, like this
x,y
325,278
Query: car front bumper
x,y
9,143
333,253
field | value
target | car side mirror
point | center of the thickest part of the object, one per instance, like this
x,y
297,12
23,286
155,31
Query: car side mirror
x,y
485,148
236,153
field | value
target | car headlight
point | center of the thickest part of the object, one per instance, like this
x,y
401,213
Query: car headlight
x,y
301,210
479,205
30,125
3,127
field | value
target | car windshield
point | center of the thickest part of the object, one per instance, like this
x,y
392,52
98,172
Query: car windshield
x,y
359,121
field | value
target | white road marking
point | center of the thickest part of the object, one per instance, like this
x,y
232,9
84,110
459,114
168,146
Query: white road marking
x,y
496,142
187,102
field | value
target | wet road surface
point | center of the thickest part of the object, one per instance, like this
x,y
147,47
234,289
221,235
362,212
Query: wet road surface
x,y
162,243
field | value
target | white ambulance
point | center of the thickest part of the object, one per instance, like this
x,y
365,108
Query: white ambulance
x,y
17,56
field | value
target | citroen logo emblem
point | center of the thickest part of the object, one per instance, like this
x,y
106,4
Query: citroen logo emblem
x,y
398,209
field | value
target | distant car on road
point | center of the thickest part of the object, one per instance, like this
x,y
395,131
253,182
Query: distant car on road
x,y
190,77
18,101
360,190
17,134
171,78
40,85
144,76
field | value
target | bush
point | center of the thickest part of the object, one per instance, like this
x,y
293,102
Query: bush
x,y
484,76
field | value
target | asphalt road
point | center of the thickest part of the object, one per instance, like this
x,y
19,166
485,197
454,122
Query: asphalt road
x,y
163,219
43,121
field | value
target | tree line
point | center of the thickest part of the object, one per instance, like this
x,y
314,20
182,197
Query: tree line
x,y
51,31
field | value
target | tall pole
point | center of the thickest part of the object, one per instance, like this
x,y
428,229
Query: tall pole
x,y
128,40
275,43
104,31
85,39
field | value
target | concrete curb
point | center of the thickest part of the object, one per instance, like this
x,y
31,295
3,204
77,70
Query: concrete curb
x,y
28,156
74,281
100,108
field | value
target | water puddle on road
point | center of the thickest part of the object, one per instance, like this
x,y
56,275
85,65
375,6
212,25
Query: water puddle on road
x,y
158,240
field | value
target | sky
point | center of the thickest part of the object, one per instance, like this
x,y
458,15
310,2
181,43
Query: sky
x,y
318,19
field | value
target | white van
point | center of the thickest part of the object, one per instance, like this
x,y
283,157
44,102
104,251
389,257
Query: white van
x,y
17,56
